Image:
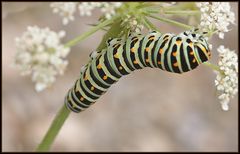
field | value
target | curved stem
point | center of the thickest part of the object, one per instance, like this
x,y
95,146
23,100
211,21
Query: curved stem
x,y
54,129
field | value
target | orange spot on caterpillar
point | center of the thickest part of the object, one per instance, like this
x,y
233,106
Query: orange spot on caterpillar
x,y
81,99
147,60
105,77
99,66
159,62
135,62
92,88
120,67
116,55
175,64
194,60
161,51
190,43
174,53
147,49
151,38
178,42
203,49
132,49
191,53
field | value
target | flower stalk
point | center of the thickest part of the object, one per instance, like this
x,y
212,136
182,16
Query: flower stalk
x,y
54,129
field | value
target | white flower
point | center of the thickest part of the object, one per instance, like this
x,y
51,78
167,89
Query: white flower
x,y
40,53
216,16
65,9
109,8
227,82
85,8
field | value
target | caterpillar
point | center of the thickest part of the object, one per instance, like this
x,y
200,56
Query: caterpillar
x,y
173,53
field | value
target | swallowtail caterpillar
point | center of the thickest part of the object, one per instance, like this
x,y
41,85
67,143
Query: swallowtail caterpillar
x,y
173,53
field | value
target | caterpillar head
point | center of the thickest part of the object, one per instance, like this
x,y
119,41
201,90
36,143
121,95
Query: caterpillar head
x,y
200,44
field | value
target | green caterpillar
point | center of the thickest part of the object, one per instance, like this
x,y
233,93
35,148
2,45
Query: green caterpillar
x,y
173,53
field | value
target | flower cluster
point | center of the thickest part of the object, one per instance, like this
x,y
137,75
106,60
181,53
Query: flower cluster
x,y
216,16
67,9
109,8
227,79
40,53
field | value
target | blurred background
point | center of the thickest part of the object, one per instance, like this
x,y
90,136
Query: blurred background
x,y
149,110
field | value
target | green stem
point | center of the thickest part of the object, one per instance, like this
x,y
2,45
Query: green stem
x,y
214,67
171,21
183,12
90,32
54,129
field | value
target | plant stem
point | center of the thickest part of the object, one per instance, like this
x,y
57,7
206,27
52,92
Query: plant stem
x,y
214,67
54,129
183,12
90,32
170,21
